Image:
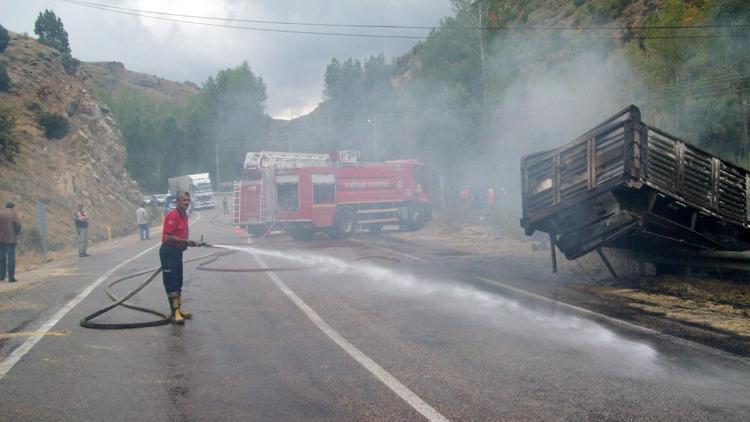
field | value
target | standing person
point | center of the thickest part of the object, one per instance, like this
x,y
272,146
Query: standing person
x,y
174,240
224,205
141,218
10,229
465,195
81,219
490,198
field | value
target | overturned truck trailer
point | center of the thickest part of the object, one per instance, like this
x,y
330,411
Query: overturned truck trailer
x,y
627,185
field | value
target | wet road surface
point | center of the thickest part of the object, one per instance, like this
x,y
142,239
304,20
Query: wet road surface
x,y
364,329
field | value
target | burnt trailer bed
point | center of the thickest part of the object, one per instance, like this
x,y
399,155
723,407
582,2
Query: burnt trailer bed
x,y
627,185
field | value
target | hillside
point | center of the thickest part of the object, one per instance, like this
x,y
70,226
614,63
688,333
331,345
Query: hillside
x,y
105,79
85,166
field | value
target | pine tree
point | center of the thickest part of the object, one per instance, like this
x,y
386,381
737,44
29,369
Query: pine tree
x,y
51,32
4,38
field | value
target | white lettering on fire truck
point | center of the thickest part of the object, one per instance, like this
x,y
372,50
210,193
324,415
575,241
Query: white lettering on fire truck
x,y
370,184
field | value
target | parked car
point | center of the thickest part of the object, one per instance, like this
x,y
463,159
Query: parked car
x,y
149,200
160,198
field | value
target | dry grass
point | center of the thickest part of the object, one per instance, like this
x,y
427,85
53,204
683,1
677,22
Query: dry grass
x,y
693,307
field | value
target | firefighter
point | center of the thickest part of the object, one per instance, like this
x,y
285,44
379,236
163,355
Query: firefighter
x,y
491,198
174,241
465,195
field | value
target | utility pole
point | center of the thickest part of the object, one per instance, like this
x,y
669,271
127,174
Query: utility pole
x,y
218,178
743,105
375,146
42,215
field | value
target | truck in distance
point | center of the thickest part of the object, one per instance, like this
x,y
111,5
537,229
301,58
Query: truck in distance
x,y
198,185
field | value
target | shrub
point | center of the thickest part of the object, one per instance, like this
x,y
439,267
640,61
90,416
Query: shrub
x,y
4,38
4,79
69,63
55,125
33,106
8,142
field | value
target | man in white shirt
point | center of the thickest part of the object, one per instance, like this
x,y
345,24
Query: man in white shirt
x,y
141,218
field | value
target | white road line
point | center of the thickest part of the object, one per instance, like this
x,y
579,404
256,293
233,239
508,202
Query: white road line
x,y
8,363
620,322
569,306
17,354
416,258
381,374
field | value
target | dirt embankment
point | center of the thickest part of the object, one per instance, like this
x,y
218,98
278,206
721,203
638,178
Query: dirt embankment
x,y
85,166
721,305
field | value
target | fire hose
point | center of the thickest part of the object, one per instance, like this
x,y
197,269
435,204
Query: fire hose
x,y
164,319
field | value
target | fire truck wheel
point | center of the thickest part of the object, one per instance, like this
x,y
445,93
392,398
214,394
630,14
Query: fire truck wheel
x,y
417,218
346,222
257,230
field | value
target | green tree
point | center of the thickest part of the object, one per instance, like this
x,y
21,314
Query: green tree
x,y
230,110
4,38
8,142
332,80
164,139
4,78
51,32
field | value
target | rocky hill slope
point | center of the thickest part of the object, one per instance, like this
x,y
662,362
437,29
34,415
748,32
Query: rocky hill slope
x,y
85,166
112,79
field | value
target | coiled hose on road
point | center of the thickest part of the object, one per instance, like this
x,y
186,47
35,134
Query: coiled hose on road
x,y
87,322
164,320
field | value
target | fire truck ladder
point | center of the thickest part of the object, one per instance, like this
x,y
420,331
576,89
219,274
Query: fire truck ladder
x,y
284,159
237,201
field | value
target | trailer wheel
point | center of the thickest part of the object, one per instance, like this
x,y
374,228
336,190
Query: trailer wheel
x,y
257,230
346,222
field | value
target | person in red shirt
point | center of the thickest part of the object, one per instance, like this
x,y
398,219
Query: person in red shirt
x,y
465,195
174,240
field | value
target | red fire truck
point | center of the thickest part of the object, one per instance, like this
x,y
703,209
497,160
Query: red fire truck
x,y
333,193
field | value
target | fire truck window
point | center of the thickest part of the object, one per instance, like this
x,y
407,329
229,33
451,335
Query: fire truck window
x,y
323,193
324,188
287,196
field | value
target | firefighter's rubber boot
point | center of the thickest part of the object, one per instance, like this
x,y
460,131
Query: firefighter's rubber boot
x,y
174,304
185,314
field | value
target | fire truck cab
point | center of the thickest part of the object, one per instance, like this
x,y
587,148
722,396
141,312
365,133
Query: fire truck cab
x,y
336,195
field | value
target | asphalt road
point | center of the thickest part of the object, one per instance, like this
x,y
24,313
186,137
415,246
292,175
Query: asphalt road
x,y
364,329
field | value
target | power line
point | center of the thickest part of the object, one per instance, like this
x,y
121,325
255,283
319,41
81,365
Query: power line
x,y
340,34
348,34
331,25
383,26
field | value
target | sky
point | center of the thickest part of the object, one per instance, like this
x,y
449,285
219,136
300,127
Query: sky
x,y
292,65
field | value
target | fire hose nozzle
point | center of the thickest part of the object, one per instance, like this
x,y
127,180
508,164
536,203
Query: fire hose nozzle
x,y
203,244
